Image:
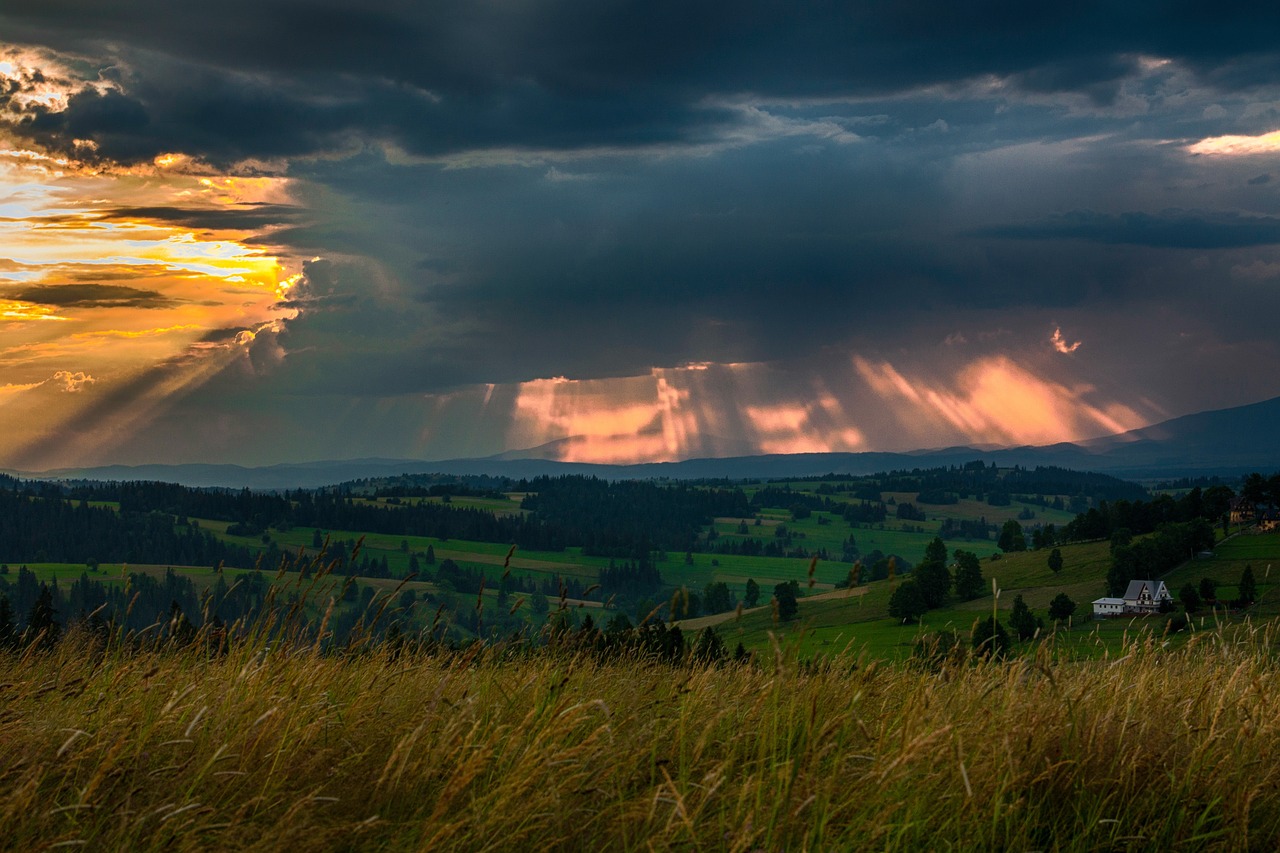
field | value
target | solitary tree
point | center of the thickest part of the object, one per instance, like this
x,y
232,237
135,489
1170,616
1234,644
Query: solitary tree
x,y
752,596
1061,607
907,604
1247,591
968,578
1011,537
785,594
716,597
990,638
1208,589
1055,560
934,582
1022,620
1189,595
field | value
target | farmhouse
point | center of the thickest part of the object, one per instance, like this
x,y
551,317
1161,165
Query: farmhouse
x,y
1142,597
1241,511
1268,521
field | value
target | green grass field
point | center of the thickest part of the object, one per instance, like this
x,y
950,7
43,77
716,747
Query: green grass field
x,y
825,624
862,623
277,747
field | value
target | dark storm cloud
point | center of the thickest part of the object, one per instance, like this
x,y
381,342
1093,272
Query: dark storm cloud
x,y
95,296
754,254
250,217
232,79
598,189
1171,229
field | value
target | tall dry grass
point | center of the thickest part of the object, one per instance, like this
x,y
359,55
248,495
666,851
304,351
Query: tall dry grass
x,y
289,750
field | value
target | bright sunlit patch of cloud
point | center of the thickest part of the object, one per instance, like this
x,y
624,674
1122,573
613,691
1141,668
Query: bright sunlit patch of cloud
x,y
10,390
98,289
994,399
137,333
35,78
1061,345
677,413
73,381
17,311
885,380
1238,146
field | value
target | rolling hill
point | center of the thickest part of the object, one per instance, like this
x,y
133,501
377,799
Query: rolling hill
x,y
1227,442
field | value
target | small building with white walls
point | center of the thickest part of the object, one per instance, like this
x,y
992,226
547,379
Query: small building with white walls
x,y
1140,598
1104,607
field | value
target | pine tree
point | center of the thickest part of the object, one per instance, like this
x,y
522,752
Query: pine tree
x,y
969,582
42,624
709,647
8,633
990,638
1022,620
1247,590
1190,597
1208,589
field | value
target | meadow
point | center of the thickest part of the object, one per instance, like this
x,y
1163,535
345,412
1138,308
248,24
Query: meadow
x,y
278,747
832,734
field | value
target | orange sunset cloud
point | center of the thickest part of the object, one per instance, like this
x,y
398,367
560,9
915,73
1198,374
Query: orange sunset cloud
x,y
93,294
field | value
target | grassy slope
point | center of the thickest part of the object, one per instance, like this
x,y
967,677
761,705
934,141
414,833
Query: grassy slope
x,y
863,622
824,625
829,623
283,750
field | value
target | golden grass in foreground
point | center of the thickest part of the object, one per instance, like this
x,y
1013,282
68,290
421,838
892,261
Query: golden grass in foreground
x,y
167,750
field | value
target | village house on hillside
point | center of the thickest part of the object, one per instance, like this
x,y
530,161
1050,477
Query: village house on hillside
x,y
1241,511
1142,597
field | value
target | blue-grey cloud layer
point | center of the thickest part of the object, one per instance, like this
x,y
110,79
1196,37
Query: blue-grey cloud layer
x,y
510,191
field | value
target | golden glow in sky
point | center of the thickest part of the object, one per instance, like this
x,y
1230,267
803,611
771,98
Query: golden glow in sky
x,y
124,289
106,276
995,400
737,409
1238,146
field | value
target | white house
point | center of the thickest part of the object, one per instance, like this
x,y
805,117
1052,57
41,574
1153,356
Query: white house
x,y
1141,597
1104,607
1146,596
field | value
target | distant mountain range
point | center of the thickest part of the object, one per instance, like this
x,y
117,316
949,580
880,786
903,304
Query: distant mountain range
x,y
1224,442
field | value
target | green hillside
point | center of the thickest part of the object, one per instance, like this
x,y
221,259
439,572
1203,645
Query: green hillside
x,y
859,620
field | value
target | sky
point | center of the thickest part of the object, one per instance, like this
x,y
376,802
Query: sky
x,y
263,232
